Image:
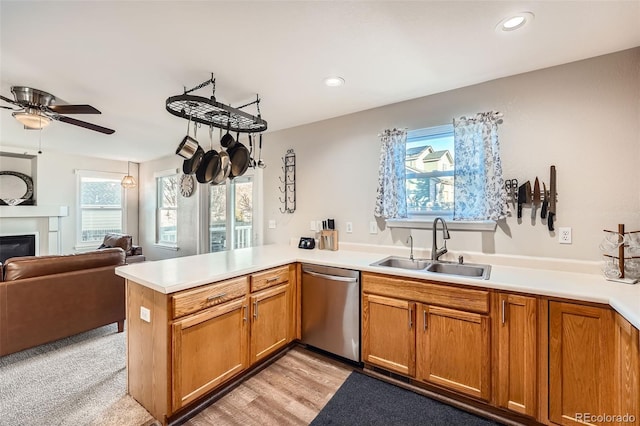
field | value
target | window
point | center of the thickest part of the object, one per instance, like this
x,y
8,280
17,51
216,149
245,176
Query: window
x,y
167,208
429,170
101,206
232,214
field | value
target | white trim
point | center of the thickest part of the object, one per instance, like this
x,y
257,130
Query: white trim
x,y
100,174
166,246
426,222
164,173
427,132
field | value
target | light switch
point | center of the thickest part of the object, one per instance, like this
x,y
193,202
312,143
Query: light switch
x,y
272,224
373,227
145,314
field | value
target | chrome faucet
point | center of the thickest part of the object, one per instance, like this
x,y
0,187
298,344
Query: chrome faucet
x,y
410,240
435,251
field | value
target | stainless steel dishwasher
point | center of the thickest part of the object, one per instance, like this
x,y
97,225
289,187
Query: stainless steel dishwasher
x,y
331,310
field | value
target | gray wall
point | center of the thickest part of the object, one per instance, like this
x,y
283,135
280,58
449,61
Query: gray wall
x,y
584,117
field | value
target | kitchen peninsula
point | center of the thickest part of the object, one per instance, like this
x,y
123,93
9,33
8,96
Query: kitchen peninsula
x,y
208,309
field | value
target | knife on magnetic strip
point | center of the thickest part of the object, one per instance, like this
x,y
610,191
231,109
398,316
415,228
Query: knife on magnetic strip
x,y
536,198
552,198
545,201
524,196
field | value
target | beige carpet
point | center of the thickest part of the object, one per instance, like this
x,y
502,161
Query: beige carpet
x,y
80,380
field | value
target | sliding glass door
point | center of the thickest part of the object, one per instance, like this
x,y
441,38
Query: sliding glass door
x,y
233,214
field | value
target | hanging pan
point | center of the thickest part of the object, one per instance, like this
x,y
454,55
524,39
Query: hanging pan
x,y
240,158
225,168
227,140
190,165
210,166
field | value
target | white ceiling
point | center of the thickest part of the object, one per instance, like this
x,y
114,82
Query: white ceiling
x,y
126,57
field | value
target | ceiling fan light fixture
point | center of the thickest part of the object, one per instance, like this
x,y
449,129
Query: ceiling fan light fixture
x,y
32,119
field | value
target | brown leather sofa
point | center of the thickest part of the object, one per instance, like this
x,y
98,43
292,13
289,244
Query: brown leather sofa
x,y
46,298
125,242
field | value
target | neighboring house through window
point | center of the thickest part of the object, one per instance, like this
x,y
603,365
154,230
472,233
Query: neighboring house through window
x,y
101,205
429,171
167,207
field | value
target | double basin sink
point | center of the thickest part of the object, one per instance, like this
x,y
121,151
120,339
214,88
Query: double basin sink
x,y
467,270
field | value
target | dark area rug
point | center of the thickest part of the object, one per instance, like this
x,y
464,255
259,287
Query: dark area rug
x,y
363,400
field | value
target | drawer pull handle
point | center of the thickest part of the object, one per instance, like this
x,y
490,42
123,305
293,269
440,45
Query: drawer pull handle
x,y
424,320
503,310
410,318
270,280
215,296
255,309
244,313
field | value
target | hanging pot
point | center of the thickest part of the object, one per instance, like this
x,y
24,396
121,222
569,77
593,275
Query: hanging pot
x,y
188,146
190,166
227,140
210,166
240,159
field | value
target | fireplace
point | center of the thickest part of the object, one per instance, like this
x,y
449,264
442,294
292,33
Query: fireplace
x,y
18,245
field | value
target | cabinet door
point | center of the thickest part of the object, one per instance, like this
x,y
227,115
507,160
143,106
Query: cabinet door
x,y
388,333
581,349
270,319
207,349
517,354
627,371
453,350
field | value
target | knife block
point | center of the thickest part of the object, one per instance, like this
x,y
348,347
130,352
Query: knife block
x,y
328,240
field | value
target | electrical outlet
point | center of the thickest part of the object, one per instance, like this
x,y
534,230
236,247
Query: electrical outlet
x,y
145,314
272,224
373,227
318,225
564,235
312,225
349,227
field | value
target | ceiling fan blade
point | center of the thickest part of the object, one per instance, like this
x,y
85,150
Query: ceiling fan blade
x,y
11,101
84,124
74,109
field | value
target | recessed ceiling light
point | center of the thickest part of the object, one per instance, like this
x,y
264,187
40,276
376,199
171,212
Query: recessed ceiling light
x,y
334,81
515,22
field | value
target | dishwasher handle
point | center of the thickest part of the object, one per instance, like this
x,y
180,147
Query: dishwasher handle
x,y
330,277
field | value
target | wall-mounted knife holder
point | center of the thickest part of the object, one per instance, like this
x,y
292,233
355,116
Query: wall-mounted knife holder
x,y
622,239
288,182
524,195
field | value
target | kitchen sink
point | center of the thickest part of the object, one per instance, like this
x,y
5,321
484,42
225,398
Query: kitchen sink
x,y
461,269
402,262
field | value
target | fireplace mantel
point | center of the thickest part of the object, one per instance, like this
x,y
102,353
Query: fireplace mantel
x,y
53,214
34,211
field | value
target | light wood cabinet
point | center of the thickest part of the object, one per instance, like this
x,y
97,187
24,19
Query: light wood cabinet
x,y
517,353
453,350
208,348
627,371
432,332
199,339
270,321
388,333
581,362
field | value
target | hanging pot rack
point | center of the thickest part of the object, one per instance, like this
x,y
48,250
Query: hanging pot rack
x,y
210,112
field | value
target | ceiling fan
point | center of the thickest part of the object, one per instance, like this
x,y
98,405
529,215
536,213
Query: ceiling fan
x,y
36,109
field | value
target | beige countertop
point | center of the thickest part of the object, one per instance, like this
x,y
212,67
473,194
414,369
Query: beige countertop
x,y
171,275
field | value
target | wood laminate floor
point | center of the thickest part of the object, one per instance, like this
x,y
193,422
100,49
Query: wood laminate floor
x,y
290,391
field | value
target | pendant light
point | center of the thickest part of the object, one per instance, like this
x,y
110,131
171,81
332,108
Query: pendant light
x,y
128,182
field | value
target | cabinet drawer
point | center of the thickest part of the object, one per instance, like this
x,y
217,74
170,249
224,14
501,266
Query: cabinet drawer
x,y
190,301
269,278
427,292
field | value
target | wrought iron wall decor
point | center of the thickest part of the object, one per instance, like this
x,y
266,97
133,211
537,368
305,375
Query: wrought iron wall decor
x,y
288,181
